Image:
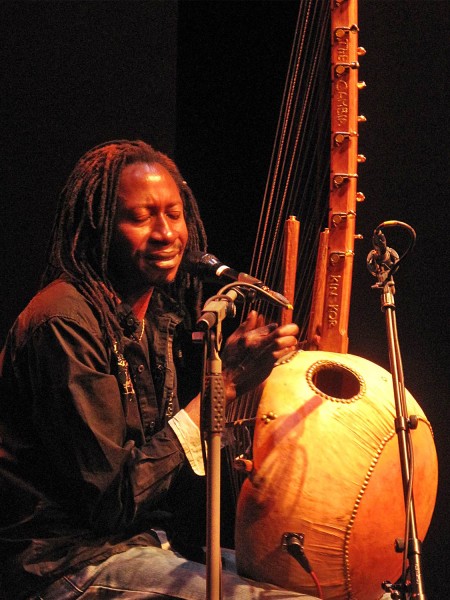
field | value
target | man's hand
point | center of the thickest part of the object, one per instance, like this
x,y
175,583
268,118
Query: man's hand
x,y
251,352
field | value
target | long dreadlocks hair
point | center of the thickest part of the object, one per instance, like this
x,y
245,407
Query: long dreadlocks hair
x,y
81,235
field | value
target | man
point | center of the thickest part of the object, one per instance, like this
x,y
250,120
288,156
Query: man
x,y
93,440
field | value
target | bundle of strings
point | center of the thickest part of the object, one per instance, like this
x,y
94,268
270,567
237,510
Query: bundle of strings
x,y
298,179
297,185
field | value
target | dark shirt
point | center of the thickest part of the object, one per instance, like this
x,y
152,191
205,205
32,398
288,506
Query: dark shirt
x,y
83,464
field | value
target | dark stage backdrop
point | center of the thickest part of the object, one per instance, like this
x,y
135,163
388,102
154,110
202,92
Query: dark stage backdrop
x,y
74,74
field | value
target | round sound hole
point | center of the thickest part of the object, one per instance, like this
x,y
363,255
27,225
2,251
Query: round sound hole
x,y
335,381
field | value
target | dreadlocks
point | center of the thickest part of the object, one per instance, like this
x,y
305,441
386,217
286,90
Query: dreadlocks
x,y
81,235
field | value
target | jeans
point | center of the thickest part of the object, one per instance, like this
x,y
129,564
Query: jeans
x,y
153,573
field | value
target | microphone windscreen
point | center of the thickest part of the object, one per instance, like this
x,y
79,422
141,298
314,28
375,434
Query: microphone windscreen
x,y
200,263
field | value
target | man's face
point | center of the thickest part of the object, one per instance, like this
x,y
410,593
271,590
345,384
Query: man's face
x,y
150,232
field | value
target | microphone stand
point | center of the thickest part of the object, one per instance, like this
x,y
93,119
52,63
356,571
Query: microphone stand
x,y
383,269
212,408
212,425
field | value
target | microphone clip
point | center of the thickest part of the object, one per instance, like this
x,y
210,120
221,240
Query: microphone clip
x,y
217,309
203,264
382,260
377,263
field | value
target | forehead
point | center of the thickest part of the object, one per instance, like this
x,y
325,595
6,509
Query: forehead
x,y
145,178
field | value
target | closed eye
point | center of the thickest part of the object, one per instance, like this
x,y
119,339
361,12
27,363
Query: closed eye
x,y
175,215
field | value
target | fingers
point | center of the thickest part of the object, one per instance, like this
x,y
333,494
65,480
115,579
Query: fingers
x,y
282,346
273,336
262,350
252,321
254,341
290,329
283,340
255,322
252,351
260,321
284,352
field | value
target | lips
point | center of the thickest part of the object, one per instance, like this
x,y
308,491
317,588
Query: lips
x,y
163,255
164,260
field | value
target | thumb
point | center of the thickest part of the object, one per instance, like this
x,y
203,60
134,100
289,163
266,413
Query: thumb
x,y
251,322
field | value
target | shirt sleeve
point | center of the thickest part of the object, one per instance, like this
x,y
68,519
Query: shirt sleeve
x,y
189,436
85,460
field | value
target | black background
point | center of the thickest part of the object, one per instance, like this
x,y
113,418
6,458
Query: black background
x,y
203,82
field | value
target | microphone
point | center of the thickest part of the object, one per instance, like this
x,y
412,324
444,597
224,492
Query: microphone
x,y
203,264
381,255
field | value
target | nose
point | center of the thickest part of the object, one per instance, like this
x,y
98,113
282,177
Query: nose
x,y
162,229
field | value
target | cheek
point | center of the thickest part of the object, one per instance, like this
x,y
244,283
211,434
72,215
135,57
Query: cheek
x,y
131,239
125,245
184,234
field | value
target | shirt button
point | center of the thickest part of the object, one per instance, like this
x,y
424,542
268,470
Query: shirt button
x,y
140,368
